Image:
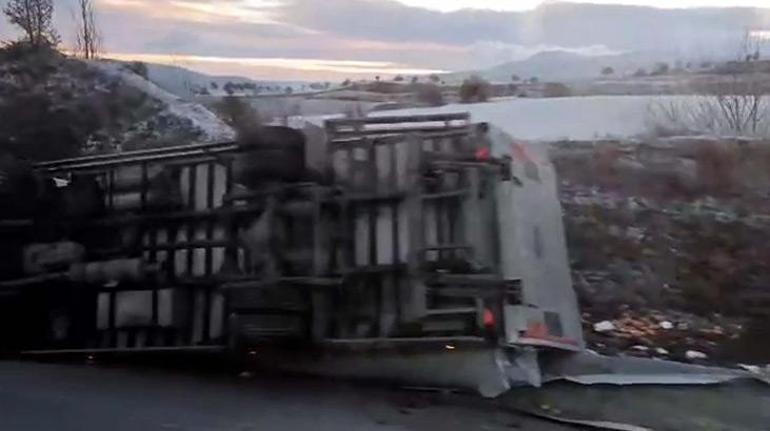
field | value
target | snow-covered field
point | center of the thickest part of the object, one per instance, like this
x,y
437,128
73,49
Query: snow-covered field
x,y
580,118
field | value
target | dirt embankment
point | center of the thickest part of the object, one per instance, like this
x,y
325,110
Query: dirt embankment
x,y
670,245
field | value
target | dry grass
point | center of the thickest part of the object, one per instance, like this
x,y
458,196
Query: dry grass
x,y
717,168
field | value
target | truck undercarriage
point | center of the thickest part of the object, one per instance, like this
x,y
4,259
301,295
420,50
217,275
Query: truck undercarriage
x,y
402,235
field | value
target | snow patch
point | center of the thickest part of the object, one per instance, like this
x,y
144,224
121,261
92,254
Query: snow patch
x,y
553,119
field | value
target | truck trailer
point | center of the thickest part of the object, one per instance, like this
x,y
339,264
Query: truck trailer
x,y
404,236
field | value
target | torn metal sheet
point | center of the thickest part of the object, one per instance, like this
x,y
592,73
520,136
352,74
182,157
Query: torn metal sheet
x,y
760,373
524,368
599,425
590,368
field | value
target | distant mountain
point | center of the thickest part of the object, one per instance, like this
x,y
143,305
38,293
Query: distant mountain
x,y
559,65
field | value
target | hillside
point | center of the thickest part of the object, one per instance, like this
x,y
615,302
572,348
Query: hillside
x,y
57,106
187,83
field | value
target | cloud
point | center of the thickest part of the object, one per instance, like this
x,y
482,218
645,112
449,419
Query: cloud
x,y
389,31
203,11
387,20
289,68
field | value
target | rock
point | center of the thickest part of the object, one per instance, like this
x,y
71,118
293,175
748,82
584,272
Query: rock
x,y
666,325
661,351
640,348
695,355
604,326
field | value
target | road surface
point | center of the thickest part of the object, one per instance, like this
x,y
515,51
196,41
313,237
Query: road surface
x,y
45,397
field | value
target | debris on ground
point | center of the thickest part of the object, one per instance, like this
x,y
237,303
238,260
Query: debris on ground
x,y
643,334
669,240
604,326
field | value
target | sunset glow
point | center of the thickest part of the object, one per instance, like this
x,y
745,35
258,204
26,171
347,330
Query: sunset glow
x,y
337,39
244,65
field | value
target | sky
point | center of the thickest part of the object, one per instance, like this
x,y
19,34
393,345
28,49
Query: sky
x,y
521,5
338,39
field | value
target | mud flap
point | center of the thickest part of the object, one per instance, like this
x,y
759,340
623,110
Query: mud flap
x,y
487,371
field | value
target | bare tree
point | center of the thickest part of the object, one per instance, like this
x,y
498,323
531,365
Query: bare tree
x,y
88,41
741,102
35,18
737,104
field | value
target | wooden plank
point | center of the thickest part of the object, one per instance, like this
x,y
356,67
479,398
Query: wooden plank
x,y
204,155
397,131
145,186
318,248
458,116
384,139
290,281
127,155
189,349
16,224
191,186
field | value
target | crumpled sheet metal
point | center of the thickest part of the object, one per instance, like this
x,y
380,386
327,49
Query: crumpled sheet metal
x,y
590,368
589,424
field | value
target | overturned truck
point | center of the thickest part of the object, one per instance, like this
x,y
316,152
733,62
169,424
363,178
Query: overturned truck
x,y
422,237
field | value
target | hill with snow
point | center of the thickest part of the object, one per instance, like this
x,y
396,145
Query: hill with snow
x,y
55,106
187,83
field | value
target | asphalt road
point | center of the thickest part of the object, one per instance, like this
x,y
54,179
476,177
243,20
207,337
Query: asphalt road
x,y
49,397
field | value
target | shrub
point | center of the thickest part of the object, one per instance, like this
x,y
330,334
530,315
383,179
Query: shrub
x,y
556,89
430,94
237,113
717,167
475,89
661,69
384,87
33,129
35,60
